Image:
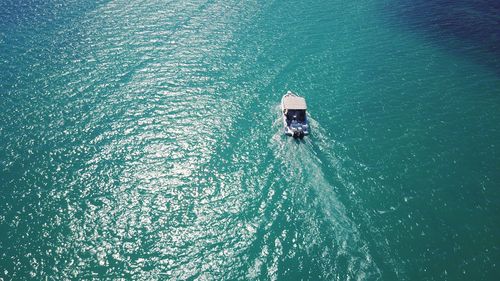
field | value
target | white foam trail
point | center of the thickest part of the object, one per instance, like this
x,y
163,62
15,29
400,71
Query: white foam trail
x,y
336,155
302,162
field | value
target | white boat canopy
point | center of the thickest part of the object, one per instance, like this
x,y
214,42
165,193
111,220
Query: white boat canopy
x,y
294,102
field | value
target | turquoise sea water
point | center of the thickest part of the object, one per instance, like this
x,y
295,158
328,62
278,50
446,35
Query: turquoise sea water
x,y
141,140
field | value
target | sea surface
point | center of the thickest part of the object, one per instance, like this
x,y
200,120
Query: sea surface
x,y
141,140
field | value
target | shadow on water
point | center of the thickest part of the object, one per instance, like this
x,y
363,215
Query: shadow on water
x,y
467,28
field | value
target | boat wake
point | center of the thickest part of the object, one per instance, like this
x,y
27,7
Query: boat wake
x,y
307,166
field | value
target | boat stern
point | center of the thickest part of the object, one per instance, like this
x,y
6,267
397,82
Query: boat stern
x,y
297,130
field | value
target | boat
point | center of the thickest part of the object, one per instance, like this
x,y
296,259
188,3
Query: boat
x,y
295,121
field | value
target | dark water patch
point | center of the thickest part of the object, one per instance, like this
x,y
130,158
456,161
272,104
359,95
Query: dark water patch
x,y
468,28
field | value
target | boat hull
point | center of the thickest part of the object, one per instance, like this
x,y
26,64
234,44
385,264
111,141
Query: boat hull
x,y
293,128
